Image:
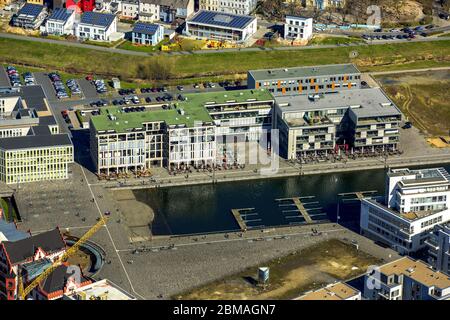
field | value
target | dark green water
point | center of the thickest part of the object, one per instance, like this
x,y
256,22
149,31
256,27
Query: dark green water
x,y
207,208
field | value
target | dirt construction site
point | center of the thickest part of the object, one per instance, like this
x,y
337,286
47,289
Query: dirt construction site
x,y
423,98
300,271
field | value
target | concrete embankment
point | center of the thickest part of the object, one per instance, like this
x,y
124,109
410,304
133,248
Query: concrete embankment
x,y
282,172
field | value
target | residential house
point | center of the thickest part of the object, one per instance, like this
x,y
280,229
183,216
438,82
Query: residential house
x,y
96,26
147,34
60,22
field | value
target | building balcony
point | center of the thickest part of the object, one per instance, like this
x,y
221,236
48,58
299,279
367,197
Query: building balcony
x,y
432,244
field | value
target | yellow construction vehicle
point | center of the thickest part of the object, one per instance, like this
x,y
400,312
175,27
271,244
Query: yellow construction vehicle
x,y
24,292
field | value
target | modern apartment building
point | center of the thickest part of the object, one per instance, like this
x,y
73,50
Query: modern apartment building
x,y
130,9
317,123
298,28
147,33
96,26
243,7
415,202
221,26
305,80
31,147
439,248
29,16
60,22
338,291
406,279
188,132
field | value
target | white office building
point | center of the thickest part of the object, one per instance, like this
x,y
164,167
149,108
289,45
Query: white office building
x,y
298,28
229,6
415,202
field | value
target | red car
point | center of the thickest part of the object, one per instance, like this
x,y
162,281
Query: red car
x,y
89,77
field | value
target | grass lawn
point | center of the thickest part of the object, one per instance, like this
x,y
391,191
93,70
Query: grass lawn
x,y
395,56
329,40
127,45
291,275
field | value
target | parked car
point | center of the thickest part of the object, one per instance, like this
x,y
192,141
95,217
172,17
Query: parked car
x,y
407,125
444,16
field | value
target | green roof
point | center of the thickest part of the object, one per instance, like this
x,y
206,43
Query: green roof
x,y
194,110
124,121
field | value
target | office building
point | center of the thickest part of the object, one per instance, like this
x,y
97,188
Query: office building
x,y
406,279
415,202
317,124
31,147
305,80
243,7
221,26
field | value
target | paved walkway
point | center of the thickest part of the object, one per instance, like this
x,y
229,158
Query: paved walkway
x,y
252,49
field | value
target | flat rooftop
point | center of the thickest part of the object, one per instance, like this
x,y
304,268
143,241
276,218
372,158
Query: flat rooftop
x,y
417,270
302,72
363,102
225,97
134,120
37,141
421,176
194,108
336,291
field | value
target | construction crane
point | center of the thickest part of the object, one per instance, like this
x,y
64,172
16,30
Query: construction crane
x,y
23,293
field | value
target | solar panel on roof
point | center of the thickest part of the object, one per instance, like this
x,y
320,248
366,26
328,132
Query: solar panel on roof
x,y
60,14
222,19
147,28
97,19
31,9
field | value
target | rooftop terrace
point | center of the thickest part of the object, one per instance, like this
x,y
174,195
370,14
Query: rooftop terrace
x,y
193,107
